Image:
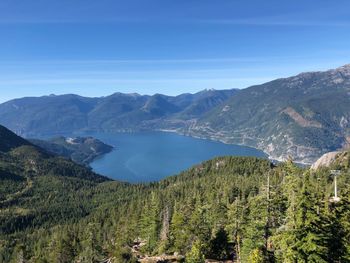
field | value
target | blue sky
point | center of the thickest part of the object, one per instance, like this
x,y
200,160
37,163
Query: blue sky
x,y
98,47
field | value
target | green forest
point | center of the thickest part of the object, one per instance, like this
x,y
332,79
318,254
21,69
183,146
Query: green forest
x,y
241,209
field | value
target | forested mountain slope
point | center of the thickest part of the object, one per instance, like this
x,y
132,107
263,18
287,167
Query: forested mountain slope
x,y
302,116
38,189
225,208
119,112
82,150
9,140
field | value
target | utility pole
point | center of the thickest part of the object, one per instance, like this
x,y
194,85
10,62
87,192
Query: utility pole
x,y
335,198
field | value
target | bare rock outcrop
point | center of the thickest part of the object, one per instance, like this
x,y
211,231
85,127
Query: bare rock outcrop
x,y
325,160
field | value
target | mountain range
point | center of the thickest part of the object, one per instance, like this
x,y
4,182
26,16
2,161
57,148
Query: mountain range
x,y
300,117
118,112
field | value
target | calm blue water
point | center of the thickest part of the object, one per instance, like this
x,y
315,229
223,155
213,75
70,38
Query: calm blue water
x,y
151,156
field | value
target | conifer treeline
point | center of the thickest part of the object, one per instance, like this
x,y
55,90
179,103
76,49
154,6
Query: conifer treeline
x,y
228,208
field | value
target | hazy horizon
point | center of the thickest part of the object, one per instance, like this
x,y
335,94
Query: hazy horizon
x,y
97,48
107,93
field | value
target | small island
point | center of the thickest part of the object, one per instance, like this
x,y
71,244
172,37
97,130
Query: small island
x,y
82,150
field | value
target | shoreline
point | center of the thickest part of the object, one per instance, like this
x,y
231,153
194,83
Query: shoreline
x,y
269,156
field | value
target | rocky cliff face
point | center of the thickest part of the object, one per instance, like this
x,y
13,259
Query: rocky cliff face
x,y
336,160
325,160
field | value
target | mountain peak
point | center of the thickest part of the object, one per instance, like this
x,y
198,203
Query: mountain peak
x,y
120,94
344,69
332,76
346,66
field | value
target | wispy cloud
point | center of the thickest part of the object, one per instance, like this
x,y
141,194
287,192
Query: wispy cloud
x,y
32,20
134,61
207,61
223,22
28,82
272,22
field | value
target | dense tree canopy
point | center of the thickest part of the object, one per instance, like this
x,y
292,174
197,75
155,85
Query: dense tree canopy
x,y
237,208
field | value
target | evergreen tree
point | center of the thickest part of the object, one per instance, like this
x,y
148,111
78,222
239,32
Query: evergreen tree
x,y
236,219
255,231
311,239
195,255
150,224
179,236
256,256
339,227
91,249
219,246
199,223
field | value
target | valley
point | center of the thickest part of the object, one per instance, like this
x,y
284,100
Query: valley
x,y
303,116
